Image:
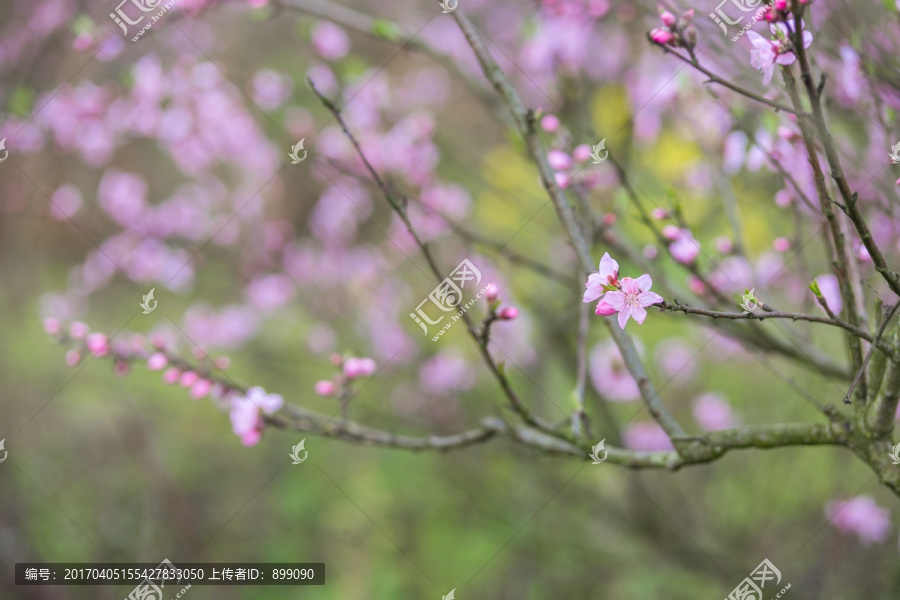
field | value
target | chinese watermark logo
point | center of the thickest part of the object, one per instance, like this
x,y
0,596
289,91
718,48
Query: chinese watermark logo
x,y
121,19
148,298
5,453
295,452
449,6
751,587
894,454
449,596
5,151
595,152
148,589
746,6
447,296
595,452
749,302
895,153
295,158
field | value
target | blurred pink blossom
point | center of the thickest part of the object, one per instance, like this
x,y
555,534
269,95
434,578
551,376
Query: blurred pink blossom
x,y
645,436
861,516
712,412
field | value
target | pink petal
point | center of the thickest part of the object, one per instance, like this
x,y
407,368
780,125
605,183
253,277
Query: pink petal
x,y
786,59
644,282
608,267
638,314
650,298
623,316
615,299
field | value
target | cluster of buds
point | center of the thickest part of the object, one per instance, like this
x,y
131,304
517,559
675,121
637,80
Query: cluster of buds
x,y
780,10
492,295
676,32
350,369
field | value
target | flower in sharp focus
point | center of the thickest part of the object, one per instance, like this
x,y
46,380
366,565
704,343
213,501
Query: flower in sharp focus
x,y
605,279
862,516
633,299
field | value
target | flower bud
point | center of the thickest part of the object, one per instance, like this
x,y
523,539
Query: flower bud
x,y
509,313
668,18
661,35
491,293
325,388
690,36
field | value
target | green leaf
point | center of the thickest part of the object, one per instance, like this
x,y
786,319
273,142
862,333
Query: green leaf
x,y
20,101
814,286
386,29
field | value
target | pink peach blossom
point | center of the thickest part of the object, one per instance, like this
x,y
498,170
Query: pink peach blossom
x,y
157,361
632,301
607,275
325,388
359,367
861,516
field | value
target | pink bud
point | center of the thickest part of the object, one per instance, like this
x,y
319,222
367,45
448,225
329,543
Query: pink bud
x,y
781,244
687,17
83,41
188,378
157,341
223,362
121,368
668,18
336,359
658,213
609,219
52,326
562,179
200,388
359,367
559,160
581,153
781,4
671,232
696,285
198,353
661,36
78,330
509,313
650,251
549,123
325,388
171,375
157,361
491,293
97,344
73,357
603,309
771,15
724,245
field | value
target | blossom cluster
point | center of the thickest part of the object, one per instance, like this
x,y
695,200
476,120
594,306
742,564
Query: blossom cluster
x,y
628,297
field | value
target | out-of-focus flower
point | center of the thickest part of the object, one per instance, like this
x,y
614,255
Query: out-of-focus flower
x,y
550,123
508,314
325,388
645,436
359,367
831,291
860,516
609,374
713,413
330,41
